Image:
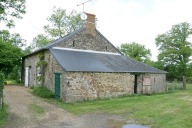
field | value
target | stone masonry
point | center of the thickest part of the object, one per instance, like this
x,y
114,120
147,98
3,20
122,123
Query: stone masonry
x,y
88,42
31,62
80,86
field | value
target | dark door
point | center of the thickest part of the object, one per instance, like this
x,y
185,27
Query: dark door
x,y
135,85
57,85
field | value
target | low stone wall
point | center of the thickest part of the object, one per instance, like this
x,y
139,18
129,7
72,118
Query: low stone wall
x,y
81,86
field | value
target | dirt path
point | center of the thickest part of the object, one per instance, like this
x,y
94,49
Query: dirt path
x,y
21,116
19,100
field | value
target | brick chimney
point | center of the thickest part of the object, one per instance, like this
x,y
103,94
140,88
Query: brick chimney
x,y
90,24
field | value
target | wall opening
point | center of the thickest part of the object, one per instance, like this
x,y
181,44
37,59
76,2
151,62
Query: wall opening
x,y
73,43
135,85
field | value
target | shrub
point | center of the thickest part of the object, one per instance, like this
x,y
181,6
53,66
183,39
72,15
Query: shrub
x,y
42,91
3,116
2,78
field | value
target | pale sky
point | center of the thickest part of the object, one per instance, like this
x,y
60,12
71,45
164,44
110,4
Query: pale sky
x,y
120,21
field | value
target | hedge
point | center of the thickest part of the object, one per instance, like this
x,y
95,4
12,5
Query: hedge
x,y
2,79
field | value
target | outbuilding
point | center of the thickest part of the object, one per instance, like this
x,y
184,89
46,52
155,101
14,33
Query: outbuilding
x,y
84,65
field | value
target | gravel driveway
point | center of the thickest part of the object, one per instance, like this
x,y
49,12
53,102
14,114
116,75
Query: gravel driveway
x,y
19,99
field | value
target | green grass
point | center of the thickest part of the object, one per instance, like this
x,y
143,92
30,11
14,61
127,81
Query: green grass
x,y
3,116
11,82
171,110
38,110
42,91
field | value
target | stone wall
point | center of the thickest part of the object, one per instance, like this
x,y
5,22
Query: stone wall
x,y
88,42
158,82
79,86
51,68
31,62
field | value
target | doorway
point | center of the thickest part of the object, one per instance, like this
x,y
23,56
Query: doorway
x,y
135,85
57,85
27,77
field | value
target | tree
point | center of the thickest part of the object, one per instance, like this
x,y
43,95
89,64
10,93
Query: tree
x,y
135,51
10,57
61,23
14,39
11,8
40,41
175,49
11,52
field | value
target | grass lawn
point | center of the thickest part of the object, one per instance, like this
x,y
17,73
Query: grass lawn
x,y
171,110
11,82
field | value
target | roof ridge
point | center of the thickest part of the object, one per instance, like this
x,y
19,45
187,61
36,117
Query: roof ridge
x,y
83,50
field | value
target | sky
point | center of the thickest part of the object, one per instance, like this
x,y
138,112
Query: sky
x,y
120,21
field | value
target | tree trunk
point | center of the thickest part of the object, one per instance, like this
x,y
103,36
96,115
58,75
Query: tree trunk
x,y
184,83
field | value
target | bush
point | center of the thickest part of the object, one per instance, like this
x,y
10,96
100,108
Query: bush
x,y
42,91
2,78
3,116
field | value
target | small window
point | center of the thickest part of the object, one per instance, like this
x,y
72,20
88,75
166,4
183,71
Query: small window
x,y
73,43
154,80
106,48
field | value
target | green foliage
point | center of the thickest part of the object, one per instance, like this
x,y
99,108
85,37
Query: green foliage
x,y
27,50
10,57
41,40
13,39
42,61
175,49
11,8
11,53
42,91
41,64
62,23
15,74
135,51
3,116
11,82
2,78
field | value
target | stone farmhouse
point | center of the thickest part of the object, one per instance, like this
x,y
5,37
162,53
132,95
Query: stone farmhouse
x,y
84,65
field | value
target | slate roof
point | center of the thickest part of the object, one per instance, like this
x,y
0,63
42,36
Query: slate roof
x,y
95,61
